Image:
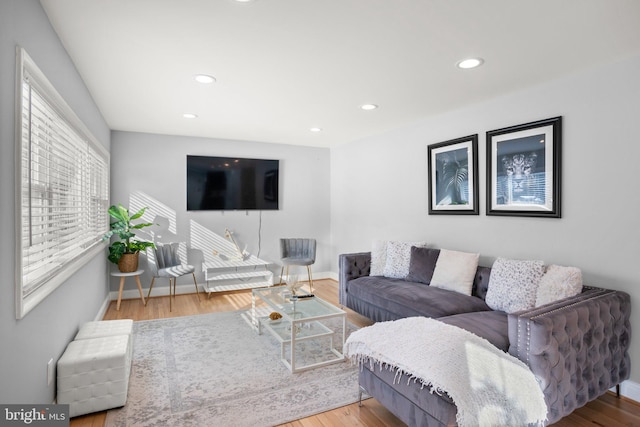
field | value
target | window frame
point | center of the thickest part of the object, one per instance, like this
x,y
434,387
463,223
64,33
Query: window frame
x,y
26,301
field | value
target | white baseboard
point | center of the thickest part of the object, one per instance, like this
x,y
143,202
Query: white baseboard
x,y
630,390
331,275
317,275
158,291
104,307
188,288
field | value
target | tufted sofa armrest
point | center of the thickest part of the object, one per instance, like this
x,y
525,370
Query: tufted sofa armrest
x,y
351,266
577,348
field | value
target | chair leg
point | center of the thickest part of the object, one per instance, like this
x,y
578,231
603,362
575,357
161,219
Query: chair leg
x,y
171,294
175,287
150,287
282,271
310,279
196,283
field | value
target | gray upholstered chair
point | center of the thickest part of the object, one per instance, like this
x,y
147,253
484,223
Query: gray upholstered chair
x,y
164,261
300,252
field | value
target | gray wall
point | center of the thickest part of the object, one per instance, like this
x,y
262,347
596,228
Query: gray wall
x,y
150,170
380,183
28,344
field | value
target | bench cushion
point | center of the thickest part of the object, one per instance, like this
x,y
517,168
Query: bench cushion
x,y
105,328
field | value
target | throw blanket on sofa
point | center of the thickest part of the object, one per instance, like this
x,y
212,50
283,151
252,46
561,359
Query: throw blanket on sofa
x,y
488,386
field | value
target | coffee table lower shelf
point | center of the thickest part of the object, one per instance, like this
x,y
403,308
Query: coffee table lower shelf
x,y
288,333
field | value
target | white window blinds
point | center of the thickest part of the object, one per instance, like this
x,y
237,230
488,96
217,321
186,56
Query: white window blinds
x,y
63,189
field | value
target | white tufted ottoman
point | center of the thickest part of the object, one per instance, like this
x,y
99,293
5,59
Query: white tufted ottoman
x,y
93,374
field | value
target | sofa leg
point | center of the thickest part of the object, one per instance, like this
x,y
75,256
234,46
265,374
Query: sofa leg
x,y
618,391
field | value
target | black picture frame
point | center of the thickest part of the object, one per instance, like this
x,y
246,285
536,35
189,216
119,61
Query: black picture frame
x,y
524,169
453,177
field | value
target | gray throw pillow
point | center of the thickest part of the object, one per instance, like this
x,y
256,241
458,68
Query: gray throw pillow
x,y
423,262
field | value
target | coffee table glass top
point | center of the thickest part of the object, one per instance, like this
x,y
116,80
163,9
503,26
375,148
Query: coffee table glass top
x,y
302,309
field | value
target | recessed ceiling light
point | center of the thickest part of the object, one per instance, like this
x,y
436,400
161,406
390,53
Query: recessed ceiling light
x,y
470,63
369,107
316,129
204,78
190,116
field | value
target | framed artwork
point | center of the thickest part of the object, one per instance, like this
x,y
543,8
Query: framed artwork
x,y
453,177
523,169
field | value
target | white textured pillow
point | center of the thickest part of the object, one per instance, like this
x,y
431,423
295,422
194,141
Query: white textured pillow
x,y
378,258
557,283
399,258
455,271
513,284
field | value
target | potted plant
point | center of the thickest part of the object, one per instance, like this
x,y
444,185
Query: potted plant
x,y
124,252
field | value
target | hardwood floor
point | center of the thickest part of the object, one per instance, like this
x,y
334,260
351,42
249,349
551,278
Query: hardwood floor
x,y
606,411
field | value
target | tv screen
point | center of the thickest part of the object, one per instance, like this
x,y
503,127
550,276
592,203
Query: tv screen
x,y
231,183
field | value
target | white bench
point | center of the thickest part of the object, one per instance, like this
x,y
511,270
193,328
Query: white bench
x,y
93,372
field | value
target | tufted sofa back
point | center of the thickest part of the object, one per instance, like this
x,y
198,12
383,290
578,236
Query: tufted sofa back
x,y
481,282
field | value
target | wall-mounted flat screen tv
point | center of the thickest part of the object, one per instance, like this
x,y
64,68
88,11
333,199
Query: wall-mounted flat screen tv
x,y
232,183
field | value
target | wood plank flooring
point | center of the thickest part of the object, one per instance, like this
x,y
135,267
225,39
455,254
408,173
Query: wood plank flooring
x,y
606,411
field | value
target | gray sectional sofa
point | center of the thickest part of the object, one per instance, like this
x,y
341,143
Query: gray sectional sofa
x,y
576,347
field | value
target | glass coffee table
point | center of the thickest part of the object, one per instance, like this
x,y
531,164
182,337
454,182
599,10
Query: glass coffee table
x,y
303,319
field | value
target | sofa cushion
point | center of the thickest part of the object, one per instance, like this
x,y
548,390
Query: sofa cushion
x,y
423,262
513,284
455,271
407,299
399,258
490,325
558,282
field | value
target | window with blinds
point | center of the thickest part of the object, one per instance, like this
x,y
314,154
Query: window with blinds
x,y
63,194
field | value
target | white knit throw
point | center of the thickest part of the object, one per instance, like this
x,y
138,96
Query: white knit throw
x,y
488,386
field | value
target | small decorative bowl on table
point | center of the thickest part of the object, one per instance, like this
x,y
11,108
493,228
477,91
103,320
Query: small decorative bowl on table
x,y
275,317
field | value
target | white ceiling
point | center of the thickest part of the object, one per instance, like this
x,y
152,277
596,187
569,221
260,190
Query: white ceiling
x,y
284,66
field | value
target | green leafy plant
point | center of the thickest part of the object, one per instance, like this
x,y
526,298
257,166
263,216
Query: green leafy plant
x,y
121,227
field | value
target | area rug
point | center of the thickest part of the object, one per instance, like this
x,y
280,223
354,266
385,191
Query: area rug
x,y
215,370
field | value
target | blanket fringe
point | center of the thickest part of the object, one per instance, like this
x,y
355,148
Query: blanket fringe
x,y
361,359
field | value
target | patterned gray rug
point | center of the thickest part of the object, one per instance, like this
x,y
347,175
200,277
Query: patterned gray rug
x,y
215,370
